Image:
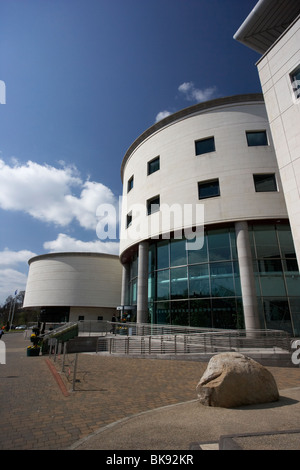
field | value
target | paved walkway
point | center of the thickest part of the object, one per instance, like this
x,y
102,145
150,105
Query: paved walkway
x,y
116,401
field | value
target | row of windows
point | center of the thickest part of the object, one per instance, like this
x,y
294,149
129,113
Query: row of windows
x,y
265,182
207,145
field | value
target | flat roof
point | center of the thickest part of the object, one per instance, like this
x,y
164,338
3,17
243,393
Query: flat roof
x,y
71,254
186,112
266,23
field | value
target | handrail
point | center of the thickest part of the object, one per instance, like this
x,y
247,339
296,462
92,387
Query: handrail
x,y
187,343
151,329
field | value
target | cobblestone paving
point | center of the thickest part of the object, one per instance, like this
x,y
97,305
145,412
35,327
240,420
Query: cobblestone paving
x,y
35,414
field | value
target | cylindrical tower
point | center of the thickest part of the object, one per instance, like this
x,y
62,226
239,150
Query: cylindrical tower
x,y
208,174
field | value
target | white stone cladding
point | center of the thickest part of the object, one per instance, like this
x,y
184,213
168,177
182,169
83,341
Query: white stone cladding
x,y
275,69
75,280
233,163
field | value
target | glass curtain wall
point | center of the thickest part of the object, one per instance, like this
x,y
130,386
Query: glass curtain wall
x,y
202,287
277,276
196,287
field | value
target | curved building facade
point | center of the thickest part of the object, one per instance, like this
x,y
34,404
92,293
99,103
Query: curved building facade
x,y
74,286
205,236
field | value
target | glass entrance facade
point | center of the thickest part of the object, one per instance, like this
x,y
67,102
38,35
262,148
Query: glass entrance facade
x,y
277,276
202,287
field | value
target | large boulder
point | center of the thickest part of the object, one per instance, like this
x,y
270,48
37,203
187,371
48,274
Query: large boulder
x,y
232,379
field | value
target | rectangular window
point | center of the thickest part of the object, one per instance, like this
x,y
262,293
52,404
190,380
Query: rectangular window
x,y
130,184
208,189
128,220
153,165
257,138
295,79
205,146
153,205
265,183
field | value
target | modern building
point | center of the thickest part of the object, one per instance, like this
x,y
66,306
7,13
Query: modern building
x,y
273,30
210,227
74,286
217,157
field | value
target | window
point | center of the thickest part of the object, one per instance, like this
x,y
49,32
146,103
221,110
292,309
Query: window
x,y
130,184
205,146
128,220
295,79
153,205
265,183
256,138
153,165
208,189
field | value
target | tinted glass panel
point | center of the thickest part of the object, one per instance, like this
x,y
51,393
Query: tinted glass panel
x,y
133,292
224,313
134,267
179,284
295,78
221,276
163,285
180,313
208,189
152,258
199,281
128,220
286,241
292,280
295,310
153,166
163,255
153,205
162,312
198,256
200,313
277,314
178,252
151,286
130,184
257,138
271,284
219,245
205,146
266,242
265,183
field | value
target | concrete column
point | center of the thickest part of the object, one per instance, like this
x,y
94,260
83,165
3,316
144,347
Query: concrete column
x,y
247,276
142,284
125,284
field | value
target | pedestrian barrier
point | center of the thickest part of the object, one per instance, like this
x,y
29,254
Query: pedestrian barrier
x,y
174,342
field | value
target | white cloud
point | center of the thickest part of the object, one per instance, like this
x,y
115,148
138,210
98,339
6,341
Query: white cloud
x,y
11,258
13,272
10,281
161,115
191,93
84,208
65,243
47,193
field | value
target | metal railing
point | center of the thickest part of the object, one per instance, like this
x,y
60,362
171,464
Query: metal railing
x,y
173,341
155,339
95,327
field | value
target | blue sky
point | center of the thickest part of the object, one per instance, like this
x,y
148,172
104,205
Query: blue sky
x,y
84,78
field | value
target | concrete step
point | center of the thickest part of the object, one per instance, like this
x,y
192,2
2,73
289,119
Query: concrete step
x,y
273,440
